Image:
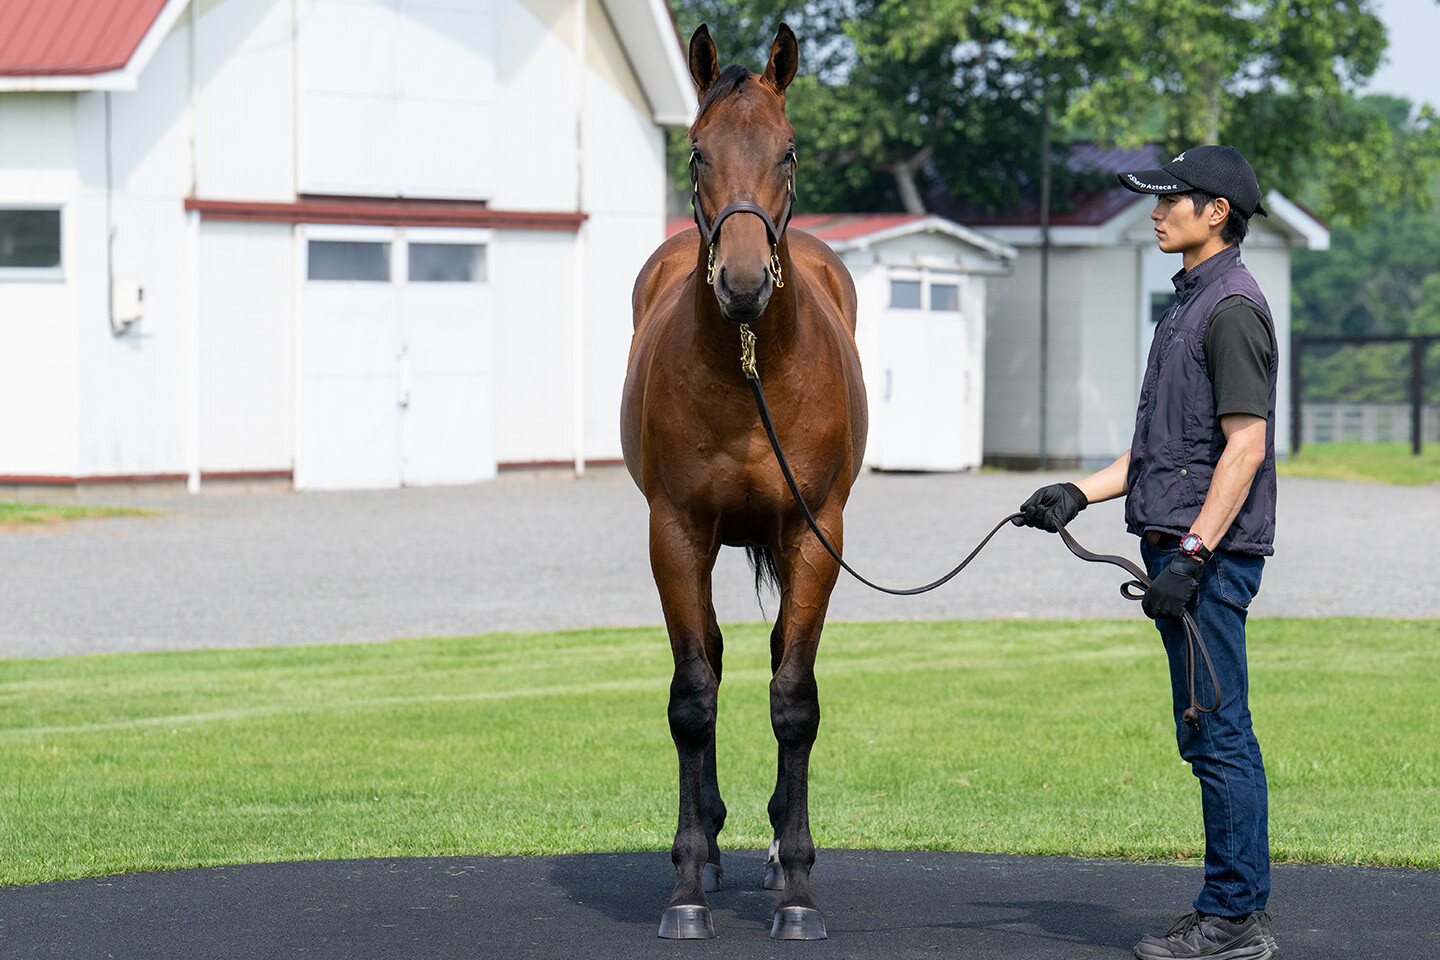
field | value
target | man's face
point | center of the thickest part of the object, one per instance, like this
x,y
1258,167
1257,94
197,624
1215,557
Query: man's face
x,y
1177,226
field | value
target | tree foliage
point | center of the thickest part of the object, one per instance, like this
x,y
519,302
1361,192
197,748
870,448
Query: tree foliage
x,y
900,99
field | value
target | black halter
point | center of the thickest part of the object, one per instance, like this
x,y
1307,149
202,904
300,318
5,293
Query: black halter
x,y
710,231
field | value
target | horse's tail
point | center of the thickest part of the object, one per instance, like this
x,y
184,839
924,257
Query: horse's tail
x,y
762,561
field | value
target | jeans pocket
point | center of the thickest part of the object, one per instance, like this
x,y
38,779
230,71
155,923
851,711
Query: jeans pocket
x,y
1239,577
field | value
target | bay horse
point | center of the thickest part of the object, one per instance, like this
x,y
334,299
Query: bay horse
x,y
694,445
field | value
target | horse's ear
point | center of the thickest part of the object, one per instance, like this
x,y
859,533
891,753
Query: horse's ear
x,y
784,59
704,65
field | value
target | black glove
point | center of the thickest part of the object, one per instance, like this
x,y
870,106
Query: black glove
x,y
1057,503
1172,589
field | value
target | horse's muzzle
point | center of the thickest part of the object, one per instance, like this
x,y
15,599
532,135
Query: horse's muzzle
x,y
745,304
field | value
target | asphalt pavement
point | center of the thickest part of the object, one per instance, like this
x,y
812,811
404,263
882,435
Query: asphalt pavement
x,y
878,906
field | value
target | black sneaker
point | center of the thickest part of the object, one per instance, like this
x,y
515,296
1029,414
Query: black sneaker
x,y
1263,919
1198,935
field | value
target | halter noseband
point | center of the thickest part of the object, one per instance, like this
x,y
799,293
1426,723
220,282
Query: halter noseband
x,y
710,231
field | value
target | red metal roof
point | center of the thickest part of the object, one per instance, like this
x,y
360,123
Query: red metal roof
x,y
70,37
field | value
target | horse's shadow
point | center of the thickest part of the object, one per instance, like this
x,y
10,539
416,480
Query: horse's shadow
x,y
632,889
624,887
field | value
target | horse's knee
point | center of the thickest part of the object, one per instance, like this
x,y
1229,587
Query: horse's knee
x,y
795,710
694,696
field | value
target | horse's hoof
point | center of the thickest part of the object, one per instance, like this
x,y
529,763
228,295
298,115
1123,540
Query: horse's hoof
x,y
686,923
798,923
713,877
774,875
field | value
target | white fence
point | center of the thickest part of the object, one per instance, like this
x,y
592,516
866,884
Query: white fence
x,y
1365,422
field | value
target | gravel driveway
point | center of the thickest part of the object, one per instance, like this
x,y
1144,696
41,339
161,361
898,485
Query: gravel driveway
x,y
235,567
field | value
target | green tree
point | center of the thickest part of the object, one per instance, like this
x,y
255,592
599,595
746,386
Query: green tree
x,y
897,97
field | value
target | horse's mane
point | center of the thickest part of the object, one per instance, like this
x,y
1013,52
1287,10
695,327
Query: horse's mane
x,y
727,83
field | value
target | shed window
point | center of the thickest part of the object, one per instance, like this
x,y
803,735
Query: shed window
x,y
1160,304
447,263
29,238
349,260
945,296
905,294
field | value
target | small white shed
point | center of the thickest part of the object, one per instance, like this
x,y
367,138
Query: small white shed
x,y
1109,285
921,281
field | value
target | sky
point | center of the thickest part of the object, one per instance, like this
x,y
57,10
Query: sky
x,y
1411,71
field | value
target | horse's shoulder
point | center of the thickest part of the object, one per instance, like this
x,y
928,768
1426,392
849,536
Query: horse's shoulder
x,y
825,265
671,261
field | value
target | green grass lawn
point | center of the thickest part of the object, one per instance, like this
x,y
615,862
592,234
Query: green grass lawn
x,y
14,512
1013,736
1365,463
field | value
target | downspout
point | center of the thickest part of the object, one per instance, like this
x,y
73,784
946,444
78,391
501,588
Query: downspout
x,y
577,337
192,261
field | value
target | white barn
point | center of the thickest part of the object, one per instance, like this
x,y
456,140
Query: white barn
x,y
354,243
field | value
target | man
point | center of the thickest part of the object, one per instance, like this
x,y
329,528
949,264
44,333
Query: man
x,y
1199,488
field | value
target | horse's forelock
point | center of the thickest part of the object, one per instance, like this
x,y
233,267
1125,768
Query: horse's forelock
x,y
727,83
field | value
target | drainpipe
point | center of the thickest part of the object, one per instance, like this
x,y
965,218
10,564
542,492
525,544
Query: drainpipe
x,y
192,265
577,337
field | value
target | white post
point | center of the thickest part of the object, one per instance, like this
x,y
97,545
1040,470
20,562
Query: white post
x,y
577,339
192,262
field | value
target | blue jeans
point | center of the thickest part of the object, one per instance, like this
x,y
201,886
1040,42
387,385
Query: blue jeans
x,y
1223,754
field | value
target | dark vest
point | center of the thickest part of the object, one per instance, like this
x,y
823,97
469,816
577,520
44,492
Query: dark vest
x,y
1178,440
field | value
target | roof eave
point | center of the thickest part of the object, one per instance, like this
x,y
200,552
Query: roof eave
x,y
1311,233
930,224
124,79
644,25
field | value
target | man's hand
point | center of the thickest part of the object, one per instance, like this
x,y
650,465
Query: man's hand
x,y
1048,506
1173,588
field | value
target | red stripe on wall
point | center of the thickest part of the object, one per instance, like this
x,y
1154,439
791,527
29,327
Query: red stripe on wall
x,y
386,212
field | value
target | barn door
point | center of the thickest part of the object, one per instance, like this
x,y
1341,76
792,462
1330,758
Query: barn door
x,y
395,383
348,391
446,382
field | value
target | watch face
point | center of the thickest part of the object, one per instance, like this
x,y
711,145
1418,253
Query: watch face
x,y
1191,543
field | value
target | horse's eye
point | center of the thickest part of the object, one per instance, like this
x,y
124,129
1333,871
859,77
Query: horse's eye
x,y
696,156
790,156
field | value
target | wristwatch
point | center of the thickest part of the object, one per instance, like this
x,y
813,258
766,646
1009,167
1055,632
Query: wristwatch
x,y
1192,545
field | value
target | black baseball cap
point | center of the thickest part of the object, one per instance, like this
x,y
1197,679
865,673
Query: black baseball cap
x,y
1213,168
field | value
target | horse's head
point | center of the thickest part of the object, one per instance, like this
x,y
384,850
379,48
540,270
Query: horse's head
x,y
742,166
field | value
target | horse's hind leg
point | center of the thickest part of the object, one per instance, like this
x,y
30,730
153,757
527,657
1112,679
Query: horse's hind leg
x,y
681,563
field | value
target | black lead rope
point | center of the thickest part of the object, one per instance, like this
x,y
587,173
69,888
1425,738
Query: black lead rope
x,y
1130,590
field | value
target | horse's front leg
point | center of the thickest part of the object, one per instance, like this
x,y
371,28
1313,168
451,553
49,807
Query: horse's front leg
x,y
681,560
712,805
807,575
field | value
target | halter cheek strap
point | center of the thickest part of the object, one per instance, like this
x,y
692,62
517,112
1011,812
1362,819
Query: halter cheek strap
x,y
710,231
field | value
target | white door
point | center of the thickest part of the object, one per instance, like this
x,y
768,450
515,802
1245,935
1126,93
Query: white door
x,y
447,420
395,383
925,392
348,424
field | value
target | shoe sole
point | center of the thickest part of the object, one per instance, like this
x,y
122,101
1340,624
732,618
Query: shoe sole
x,y
1255,951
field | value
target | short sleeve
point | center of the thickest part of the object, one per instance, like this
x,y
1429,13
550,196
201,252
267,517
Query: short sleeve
x,y
1239,345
